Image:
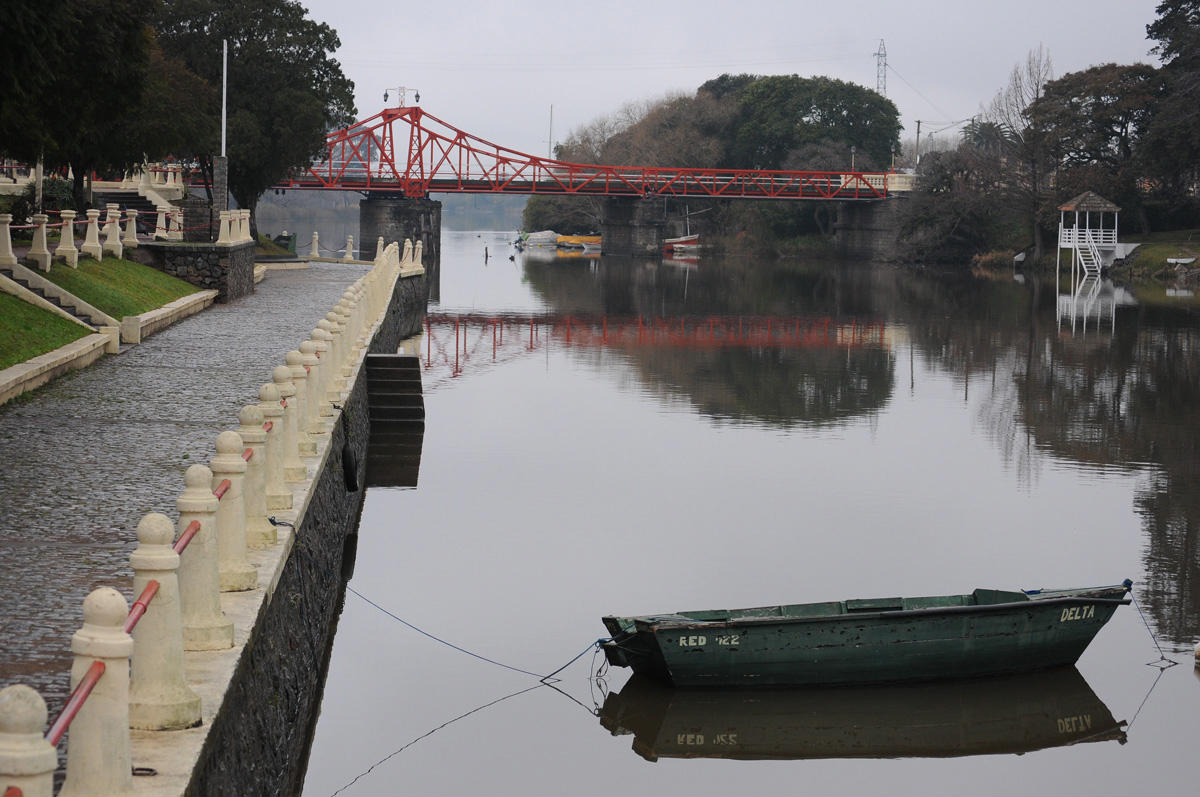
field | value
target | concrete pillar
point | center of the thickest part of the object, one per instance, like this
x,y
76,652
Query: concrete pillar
x,y
321,340
237,574
27,760
295,364
130,238
259,533
39,253
66,245
98,757
337,383
205,626
293,469
7,258
175,225
91,238
632,226
224,237
159,697
316,246
312,401
144,179
278,495
398,219
349,248
160,224
112,231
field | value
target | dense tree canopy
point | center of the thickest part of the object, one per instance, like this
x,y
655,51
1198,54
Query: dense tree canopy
x,y
285,89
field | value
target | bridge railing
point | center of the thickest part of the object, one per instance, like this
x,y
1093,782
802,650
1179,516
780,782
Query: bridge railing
x,y
223,510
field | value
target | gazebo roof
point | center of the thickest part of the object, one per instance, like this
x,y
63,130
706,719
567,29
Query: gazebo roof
x,y
1089,202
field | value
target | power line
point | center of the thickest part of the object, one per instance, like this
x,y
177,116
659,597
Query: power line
x,y
919,94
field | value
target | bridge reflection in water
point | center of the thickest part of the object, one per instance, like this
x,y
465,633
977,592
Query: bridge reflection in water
x,y
987,716
455,342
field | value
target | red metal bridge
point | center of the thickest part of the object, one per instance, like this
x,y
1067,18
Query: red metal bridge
x,y
408,152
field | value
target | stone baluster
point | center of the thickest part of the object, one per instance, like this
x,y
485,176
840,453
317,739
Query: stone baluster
x,y
379,247
98,755
316,246
406,259
321,340
7,258
159,697
39,253
91,238
349,248
259,532
66,244
293,469
27,760
237,574
112,231
224,235
336,383
418,254
350,333
175,225
278,495
246,226
130,239
144,179
295,364
160,224
205,626
312,400
158,176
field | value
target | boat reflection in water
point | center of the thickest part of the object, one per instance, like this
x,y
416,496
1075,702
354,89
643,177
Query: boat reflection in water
x,y
1012,714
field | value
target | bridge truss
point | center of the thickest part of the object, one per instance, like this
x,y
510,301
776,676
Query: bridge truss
x,y
408,152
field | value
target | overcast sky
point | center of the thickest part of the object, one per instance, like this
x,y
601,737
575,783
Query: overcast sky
x,y
494,69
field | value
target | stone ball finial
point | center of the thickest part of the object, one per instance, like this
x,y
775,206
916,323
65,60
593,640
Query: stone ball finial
x,y
281,374
105,607
308,347
293,357
198,477
155,528
229,443
252,414
268,392
325,325
22,710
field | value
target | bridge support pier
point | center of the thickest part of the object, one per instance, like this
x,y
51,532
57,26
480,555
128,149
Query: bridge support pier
x,y
395,218
868,230
632,226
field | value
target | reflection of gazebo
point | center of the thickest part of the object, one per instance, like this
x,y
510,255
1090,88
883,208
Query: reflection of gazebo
x,y
1082,232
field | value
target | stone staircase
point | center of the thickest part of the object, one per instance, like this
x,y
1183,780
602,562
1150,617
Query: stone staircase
x,y
397,414
65,306
128,199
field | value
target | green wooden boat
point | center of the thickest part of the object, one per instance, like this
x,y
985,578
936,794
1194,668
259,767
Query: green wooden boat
x,y
982,716
879,640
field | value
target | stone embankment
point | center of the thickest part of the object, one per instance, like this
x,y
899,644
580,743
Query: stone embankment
x,y
247,662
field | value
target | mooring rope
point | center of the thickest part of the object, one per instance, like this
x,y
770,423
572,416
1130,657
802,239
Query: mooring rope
x,y
1162,657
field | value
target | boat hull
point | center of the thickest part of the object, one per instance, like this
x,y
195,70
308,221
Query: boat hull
x,y
862,646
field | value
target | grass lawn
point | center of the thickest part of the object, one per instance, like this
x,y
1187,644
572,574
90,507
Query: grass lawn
x,y
119,287
27,331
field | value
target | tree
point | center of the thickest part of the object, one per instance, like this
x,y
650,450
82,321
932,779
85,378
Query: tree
x,y
1009,109
1092,123
1170,147
780,113
285,90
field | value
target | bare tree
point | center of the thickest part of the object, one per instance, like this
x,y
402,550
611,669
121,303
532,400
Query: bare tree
x,y
1010,110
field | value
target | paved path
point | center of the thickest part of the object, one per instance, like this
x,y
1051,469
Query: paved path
x,y
82,459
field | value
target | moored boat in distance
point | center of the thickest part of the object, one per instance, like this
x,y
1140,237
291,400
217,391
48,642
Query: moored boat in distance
x,y
684,243
879,640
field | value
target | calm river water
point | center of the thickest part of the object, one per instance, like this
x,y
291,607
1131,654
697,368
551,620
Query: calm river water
x,y
901,435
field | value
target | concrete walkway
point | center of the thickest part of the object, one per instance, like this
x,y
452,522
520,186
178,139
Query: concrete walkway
x,y
82,459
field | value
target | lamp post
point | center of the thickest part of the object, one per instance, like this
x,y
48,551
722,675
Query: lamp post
x,y
402,95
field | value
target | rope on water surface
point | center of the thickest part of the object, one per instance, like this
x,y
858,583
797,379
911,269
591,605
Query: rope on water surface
x,y
546,679
1162,657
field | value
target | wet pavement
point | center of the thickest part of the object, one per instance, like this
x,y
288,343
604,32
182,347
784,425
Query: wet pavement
x,y
85,457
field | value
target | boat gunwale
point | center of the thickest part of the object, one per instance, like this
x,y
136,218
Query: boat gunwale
x,y
671,624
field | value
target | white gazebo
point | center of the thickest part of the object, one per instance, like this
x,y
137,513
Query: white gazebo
x,y
1092,245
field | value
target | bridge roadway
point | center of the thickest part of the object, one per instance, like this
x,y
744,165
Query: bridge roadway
x,y
82,459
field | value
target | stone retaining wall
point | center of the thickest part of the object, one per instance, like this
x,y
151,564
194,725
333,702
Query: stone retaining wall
x,y
229,270
259,742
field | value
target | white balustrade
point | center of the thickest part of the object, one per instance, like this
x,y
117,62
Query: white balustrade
x,y
205,626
